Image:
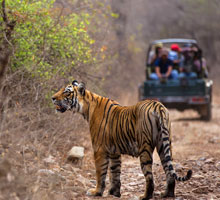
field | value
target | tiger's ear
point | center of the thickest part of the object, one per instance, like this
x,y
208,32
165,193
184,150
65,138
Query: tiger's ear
x,y
82,88
75,83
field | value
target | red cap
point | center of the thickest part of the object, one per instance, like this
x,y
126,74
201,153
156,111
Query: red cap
x,y
175,47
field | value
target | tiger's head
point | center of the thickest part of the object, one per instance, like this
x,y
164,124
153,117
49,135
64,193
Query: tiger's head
x,y
70,98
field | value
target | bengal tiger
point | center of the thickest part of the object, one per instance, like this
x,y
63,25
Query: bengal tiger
x,y
134,130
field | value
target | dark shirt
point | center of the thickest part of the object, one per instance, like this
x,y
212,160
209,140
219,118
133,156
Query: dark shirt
x,y
163,65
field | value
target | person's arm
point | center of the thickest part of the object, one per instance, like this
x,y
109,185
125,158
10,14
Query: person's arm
x,y
181,69
157,70
181,64
169,71
176,59
151,58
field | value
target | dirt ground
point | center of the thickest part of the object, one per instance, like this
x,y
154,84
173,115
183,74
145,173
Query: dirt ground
x,y
196,146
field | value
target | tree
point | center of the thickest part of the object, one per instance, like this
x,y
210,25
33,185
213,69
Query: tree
x,y
46,41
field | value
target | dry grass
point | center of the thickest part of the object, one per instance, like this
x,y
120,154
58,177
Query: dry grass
x,y
29,134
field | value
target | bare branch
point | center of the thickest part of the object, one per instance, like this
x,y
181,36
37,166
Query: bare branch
x,y
4,14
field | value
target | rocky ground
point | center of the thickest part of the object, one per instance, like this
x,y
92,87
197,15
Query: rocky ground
x,y
196,145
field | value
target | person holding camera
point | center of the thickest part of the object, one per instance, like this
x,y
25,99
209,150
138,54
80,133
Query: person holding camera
x,y
164,68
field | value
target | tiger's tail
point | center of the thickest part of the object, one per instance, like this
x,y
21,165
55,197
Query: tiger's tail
x,y
165,132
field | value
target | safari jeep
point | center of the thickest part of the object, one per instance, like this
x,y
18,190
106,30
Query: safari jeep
x,y
182,93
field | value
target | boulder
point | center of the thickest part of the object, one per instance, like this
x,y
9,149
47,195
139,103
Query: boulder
x,y
75,154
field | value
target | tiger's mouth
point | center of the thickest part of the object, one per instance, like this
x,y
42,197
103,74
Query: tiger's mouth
x,y
60,109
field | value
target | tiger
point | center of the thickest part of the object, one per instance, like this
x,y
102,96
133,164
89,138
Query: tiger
x,y
115,130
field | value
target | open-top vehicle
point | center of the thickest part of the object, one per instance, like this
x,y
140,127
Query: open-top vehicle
x,y
182,93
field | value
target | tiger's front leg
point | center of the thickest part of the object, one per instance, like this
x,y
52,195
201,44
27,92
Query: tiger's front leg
x,y
115,172
101,164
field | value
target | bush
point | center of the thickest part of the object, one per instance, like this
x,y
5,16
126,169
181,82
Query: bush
x,y
46,41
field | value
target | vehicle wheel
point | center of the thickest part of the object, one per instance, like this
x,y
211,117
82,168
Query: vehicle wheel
x,y
206,112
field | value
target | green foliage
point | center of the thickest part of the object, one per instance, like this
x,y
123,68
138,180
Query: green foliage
x,y
115,15
47,42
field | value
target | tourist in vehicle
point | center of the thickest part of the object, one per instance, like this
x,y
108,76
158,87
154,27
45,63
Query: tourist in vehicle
x,y
164,68
186,70
176,56
154,55
199,64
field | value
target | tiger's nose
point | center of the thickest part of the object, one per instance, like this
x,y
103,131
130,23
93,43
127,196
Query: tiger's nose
x,y
53,98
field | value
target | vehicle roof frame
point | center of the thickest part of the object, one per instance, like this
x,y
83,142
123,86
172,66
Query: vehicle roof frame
x,y
174,40
167,41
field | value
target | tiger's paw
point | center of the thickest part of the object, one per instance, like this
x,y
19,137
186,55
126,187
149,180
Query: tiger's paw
x,y
145,198
167,194
114,192
93,192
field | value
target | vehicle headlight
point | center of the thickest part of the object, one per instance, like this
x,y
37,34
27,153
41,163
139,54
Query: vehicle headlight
x,y
209,83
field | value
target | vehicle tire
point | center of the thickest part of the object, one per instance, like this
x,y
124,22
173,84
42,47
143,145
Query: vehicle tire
x,y
206,112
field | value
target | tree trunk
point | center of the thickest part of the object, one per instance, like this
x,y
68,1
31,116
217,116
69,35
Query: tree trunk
x,y
5,53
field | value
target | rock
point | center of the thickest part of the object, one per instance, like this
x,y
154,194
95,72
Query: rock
x,y
209,161
140,174
68,168
134,198
50,159
202,158
201,190
76,153
133,184
157,193
178,167
217,165
213,197
198,176
53,176
93,181
10,177
199,163
45,171
83,180
128,188
214,140
179,198
126,193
